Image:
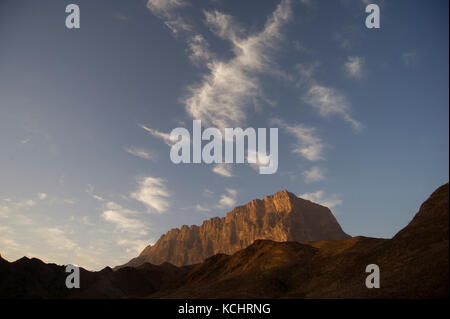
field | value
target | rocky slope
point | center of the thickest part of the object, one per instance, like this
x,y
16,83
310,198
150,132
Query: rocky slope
x,y
279,217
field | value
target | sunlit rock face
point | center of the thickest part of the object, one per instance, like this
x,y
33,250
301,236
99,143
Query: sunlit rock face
x,y
279,217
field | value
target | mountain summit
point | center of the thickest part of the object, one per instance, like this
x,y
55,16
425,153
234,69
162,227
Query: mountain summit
x,y
279,217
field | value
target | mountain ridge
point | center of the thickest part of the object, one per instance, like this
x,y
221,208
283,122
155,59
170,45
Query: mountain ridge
x,y
280,217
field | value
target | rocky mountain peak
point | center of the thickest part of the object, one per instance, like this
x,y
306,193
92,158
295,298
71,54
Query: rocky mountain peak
x,y
278,217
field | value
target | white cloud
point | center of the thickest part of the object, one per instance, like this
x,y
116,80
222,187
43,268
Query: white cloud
x,y
314,174
164,8
326,100
177,25
232,86
90,191
152,192
202,208
56,238
163,136
139,152
308,144
223,170
228,200
354,67
42,196
320,198
13,205
113,206
13,211
329,101
9,245
123,222
199,49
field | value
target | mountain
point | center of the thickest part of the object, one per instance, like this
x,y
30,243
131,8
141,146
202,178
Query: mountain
x,y
279,217
413,264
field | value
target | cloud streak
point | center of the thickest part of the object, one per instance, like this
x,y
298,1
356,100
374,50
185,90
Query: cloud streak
x,y
139,152
228,200
165,137
224,170
319,197
328,101
354,67
152,192
308,144
314,174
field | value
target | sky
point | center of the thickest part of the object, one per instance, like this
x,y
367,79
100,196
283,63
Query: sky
x,y
85,116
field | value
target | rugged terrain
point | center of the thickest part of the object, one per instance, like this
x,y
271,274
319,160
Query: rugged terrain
x,y
279,217
413,264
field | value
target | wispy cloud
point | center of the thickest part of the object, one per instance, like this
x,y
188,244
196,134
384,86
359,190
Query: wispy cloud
x,y
158,134
223,170
308,144
165,8
230,87
202,208
123,220
228,200
329,101
326,100
56,238
152,192
319,197
314,174
42,196
139,152
177,25
90,191
354,67
10,243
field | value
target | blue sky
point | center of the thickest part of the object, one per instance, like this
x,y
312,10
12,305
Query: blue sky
x,y
85,173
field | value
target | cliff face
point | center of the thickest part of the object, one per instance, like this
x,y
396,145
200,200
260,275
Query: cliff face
x,y
279,217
